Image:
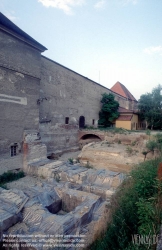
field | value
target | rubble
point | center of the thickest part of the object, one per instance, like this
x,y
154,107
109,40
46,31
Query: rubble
x,y
56,198
69,205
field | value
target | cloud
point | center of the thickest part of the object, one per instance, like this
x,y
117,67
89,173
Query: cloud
x,y
100,4
153,50
65,5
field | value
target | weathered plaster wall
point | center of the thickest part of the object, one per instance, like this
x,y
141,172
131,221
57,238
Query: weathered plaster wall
x,y
123,124
19,90
134,122
18,55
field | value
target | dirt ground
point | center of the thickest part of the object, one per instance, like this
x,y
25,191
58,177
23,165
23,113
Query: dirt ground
x,y
72,155
119,153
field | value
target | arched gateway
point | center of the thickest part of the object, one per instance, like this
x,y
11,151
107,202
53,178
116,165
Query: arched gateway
x,y
81,122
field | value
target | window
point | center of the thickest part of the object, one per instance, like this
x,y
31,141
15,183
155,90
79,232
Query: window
x,y
66,120
93,122
81,122
13,150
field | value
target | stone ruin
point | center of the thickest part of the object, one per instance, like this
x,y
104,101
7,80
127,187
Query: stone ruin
x,y
56,198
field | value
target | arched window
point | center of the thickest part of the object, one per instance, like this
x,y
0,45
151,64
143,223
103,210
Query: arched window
x,y
81,122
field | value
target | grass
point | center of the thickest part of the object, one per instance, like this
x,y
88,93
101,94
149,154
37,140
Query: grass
x,y
10,176
136,209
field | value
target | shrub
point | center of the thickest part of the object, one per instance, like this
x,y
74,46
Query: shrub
x,y
151,145
88,165
158,137
133,143
71,161
129,150
148,132
57,177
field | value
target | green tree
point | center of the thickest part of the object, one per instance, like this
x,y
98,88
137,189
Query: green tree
x,y
150,107
109,111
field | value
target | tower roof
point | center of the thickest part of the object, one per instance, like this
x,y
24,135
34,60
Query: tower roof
x,y
9,27
120,89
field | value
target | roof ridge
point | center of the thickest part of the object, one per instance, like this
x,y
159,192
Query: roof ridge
x,y
8,26
123,91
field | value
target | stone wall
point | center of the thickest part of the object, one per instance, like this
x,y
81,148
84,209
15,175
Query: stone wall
x,y
19,90
18,55
56,105
65,93
8,163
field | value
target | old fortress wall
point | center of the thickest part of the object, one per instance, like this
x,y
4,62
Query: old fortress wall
x,y
67,94
39,94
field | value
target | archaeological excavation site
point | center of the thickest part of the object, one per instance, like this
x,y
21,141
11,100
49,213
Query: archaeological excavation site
x,y
67,196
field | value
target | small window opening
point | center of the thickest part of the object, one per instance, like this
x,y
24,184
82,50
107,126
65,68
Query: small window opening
x,y
66,120
13,150
93,122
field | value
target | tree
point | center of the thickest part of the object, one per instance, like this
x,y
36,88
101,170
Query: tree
x,y
150,107
109,111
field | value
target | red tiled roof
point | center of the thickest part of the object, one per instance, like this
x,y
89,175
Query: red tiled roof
x,y
124,118
123,110
120,89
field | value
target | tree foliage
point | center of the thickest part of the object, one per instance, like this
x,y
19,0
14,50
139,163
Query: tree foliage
x,y
150,107
109,111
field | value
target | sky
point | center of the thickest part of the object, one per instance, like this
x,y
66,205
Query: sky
x,y
104,40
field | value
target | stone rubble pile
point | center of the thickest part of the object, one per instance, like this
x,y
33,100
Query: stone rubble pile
x,y
66,200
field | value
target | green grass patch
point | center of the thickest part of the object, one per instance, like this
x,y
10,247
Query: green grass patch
x,y
136,209
10,176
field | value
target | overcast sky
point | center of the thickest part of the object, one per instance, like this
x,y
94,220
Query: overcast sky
x,y
104,40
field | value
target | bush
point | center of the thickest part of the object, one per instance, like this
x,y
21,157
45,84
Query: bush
x,y
158,137
129,150
71,161
151,145
133,143
148,132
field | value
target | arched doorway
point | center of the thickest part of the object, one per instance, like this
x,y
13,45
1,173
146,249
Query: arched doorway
x,y
88,138
81,122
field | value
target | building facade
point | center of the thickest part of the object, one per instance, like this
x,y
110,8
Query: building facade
x,y
39,94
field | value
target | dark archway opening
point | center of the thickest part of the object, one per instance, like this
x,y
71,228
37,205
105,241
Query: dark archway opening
x,y
90,136
81,122
85,139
